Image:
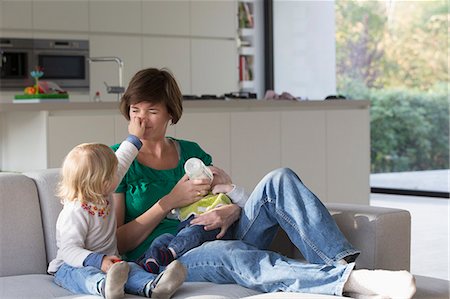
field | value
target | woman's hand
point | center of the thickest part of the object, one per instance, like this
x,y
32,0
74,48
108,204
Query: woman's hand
x,y
221,217
108,261
186,192
220,176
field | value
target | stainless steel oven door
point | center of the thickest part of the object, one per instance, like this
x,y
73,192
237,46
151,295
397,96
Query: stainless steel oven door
x,y
67,69
15,63
63,62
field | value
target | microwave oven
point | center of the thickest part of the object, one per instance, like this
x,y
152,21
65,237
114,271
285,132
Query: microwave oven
x,y
63,62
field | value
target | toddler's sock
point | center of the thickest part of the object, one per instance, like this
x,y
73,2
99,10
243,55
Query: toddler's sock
x,y
163,256
116,277
391,284
167,282
151,266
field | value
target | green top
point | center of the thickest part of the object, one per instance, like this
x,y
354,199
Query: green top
x,y
144,186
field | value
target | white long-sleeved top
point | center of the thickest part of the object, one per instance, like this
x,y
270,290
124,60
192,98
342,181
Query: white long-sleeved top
x,y
82,229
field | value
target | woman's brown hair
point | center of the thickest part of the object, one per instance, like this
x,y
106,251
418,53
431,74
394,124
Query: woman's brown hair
x,y
155,86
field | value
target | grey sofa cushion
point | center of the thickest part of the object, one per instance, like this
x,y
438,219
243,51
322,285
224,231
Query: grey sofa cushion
x,y
383,235
21,227
31,286
46,182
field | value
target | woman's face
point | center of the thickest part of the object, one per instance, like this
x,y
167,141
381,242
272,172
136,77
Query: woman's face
x,y
156,117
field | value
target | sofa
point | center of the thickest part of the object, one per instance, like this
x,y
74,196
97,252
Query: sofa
x,y
29,209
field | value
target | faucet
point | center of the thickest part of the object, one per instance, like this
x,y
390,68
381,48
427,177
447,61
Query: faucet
x,y
111,89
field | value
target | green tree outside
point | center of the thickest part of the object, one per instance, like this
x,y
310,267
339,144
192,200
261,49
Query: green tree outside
x,y
395,53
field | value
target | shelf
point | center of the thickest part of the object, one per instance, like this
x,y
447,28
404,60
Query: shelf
x,y
246,45
247,51
246,32
247,84
245,14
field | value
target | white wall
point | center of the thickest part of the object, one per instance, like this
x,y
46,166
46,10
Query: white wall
x,y
304,48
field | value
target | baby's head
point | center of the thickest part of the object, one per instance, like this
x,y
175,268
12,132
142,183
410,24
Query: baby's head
x,y
88,172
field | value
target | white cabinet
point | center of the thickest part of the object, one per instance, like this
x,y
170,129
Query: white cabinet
x,y
15,15
23,143
215,140
166,17
173,53
67,131
326,144
304,147
213,18
214,66
115,16
348,155
255,146
63,15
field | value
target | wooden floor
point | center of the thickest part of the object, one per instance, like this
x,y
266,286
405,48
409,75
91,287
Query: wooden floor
x,y
430,222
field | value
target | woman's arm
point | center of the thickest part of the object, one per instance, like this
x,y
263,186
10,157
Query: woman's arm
x,y
132,234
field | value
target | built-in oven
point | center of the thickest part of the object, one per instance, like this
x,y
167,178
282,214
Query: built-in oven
x,y
64,62
15,62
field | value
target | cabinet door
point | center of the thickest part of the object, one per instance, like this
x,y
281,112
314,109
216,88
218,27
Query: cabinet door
x,y
255,146
170,52
211,131
15,15
67,131
65,15
214,18
214,66
303,148
348,156
23,141
128,48
115,16
165,17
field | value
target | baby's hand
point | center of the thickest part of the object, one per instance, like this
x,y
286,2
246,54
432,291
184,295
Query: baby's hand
x,y
136,127
222,188
220,176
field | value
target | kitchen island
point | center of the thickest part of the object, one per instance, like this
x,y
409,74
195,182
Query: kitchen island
x,y
325,142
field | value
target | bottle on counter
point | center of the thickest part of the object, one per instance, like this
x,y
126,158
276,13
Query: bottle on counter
x,y
97,97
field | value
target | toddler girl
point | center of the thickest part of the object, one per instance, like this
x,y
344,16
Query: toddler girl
x,y
87,260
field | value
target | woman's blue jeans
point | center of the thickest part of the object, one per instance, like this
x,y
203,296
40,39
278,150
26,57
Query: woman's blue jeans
x,y
279,200
88,280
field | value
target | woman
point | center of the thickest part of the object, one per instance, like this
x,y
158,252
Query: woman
x,y
155,184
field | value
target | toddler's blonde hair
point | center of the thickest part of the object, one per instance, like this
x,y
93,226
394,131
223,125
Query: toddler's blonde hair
x,y
87,172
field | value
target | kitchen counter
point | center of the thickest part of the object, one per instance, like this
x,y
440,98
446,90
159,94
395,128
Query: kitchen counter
x,y
196,105
326,142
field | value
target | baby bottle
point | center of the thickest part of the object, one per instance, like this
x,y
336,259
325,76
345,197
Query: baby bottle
x,y
196,169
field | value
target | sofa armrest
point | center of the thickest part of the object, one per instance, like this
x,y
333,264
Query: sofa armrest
x,y
383,235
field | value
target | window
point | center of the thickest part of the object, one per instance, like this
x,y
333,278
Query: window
x,y
395,53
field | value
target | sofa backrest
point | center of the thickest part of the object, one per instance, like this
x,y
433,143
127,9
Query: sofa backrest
x,y
22,248
46,182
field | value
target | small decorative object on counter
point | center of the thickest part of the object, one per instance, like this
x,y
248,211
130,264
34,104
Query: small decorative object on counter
x,y
36,74
41,91
97,97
